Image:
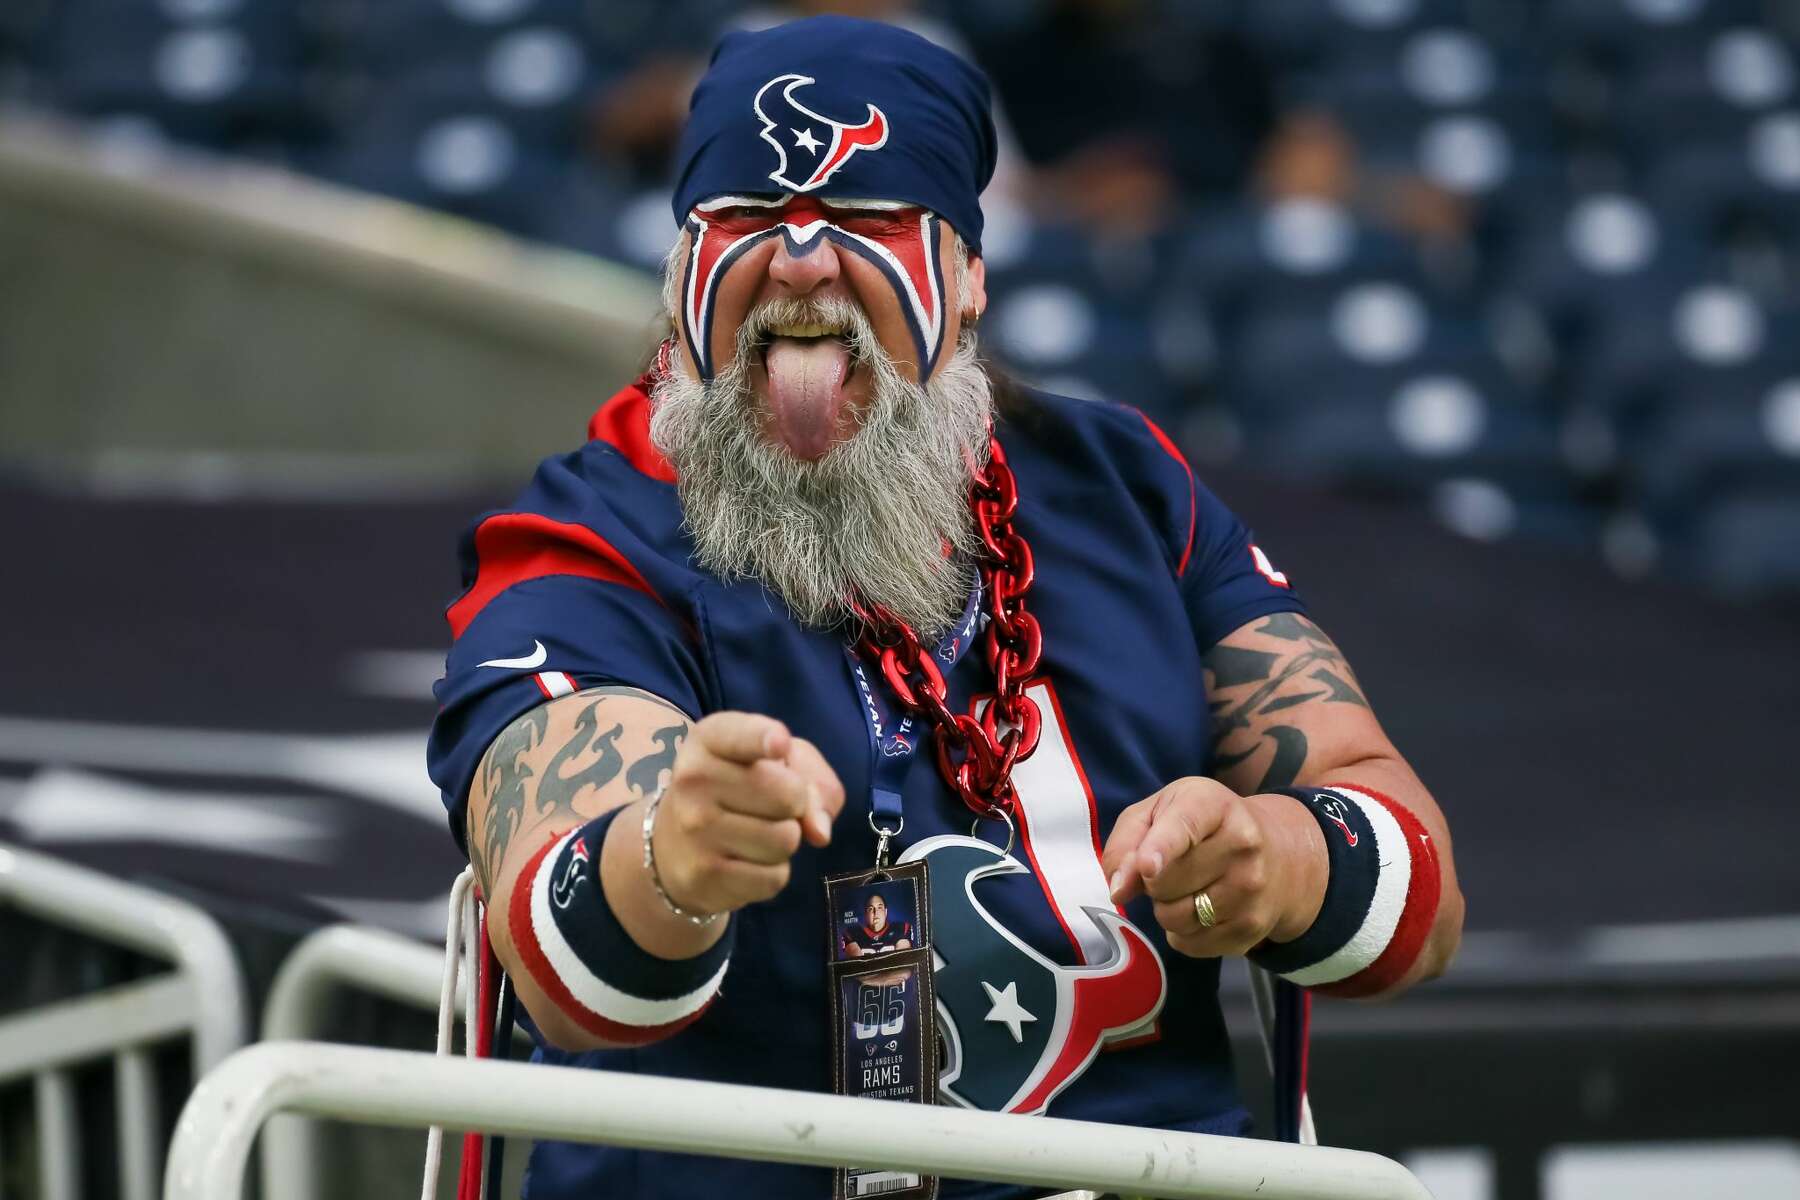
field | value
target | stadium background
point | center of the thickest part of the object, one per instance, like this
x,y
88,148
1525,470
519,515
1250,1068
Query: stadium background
x,y
1483,313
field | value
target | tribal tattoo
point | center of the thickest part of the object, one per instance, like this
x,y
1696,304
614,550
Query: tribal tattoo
x,y
645,776
505,772
559,788
1264,683
524,790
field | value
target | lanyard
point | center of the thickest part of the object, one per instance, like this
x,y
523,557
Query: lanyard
x,y
893,742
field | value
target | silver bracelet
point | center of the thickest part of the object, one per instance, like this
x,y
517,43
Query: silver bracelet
x,y
656,882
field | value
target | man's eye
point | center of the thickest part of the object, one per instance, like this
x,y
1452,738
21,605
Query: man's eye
x,y
744,216
872,223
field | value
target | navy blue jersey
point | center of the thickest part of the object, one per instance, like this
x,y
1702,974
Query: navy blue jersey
x,y
1139,570
880,941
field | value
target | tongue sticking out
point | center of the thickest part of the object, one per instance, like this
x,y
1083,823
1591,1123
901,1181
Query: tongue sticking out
x,y
806,392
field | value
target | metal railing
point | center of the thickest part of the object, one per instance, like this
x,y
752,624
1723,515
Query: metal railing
x,y
327,962
411,1090
203,997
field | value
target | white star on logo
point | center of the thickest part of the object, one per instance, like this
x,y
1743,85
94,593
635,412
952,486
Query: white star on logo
x,y
1007,1009
805,139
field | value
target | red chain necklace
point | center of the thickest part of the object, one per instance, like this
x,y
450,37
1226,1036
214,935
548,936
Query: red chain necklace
x,y
975,753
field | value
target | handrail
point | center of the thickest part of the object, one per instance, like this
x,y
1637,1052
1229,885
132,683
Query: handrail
x,y
144,920
372,960
400,1088
71,1032
397,968
202,997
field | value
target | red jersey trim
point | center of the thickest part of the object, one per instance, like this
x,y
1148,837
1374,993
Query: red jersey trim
x,y
514,547
623,423
1174,452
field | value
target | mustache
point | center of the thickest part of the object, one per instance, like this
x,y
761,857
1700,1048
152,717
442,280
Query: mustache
x,y
844,317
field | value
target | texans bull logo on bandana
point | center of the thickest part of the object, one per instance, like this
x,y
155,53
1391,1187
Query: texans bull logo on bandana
x,y
1019,1028
802,126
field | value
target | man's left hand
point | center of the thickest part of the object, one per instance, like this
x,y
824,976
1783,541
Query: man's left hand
x,y
1260,860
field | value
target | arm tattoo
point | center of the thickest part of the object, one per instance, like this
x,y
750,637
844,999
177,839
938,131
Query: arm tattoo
x,y
504,772
614,689
520,797
557,791
645,776
1293,664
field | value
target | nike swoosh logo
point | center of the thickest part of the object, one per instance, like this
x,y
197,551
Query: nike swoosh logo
x,y
530,662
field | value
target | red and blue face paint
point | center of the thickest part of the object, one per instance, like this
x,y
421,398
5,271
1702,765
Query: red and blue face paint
x,y
902,243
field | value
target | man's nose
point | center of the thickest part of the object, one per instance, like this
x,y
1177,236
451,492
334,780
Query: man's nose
x,y
806,268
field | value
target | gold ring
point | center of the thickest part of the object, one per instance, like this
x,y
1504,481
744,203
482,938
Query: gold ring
x,y
1204,911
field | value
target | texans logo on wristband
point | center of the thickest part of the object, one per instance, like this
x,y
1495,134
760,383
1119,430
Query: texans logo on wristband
x,y
1334,811
562,888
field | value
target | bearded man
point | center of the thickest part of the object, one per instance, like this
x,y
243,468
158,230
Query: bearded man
x,y
712,665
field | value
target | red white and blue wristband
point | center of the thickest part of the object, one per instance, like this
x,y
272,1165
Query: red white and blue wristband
x,y
1379,902
571,944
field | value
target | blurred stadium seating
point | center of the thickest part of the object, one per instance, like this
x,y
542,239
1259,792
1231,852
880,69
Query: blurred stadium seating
x,y
1611,345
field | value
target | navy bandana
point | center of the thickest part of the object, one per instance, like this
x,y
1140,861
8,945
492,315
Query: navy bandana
x,y
838,107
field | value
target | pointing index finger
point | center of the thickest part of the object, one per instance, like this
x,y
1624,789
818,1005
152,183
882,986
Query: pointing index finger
x,y
1178,828
743,737
827,793
1121,849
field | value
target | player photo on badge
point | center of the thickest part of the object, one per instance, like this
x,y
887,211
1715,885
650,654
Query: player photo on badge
x,y
878,917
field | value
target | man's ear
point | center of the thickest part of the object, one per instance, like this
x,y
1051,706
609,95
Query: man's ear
x,y
975,303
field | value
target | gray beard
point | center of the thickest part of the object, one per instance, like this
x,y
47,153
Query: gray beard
x,y
871,519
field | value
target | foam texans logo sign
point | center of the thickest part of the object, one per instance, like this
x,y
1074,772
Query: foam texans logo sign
x,y
788,124
1019,1028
